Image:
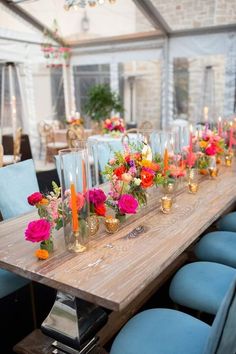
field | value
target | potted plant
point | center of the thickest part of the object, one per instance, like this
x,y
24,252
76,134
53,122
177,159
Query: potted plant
x,y
102,102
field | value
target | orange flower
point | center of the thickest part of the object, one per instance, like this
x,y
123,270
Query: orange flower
x,y
146,178
149,164
41,254
43,201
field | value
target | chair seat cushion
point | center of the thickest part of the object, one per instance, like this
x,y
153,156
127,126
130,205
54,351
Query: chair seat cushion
x,y
218,246
201,285
228,222
10,282
162,331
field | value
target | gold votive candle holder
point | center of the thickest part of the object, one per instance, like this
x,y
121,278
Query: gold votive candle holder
x,y
112,225
213,172
193,187
166,204
228,159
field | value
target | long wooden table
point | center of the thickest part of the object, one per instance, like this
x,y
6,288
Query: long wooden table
x,y
119,267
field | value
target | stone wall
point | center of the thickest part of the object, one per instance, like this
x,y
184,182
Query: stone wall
x,y
181,14
147,91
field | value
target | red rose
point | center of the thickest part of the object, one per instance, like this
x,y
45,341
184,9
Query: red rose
x,y
127,158
100,209
35,198
147,179
119,171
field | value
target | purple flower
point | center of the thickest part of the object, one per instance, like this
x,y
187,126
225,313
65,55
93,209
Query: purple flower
x,y
96,196
132,163
127,204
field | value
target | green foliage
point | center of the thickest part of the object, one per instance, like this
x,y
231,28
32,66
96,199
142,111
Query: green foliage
x,y
101,102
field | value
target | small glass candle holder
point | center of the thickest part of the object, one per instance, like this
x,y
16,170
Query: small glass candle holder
x,y
213,172
166,204
75,203
112,225
169,187
193,187
191,174
228,159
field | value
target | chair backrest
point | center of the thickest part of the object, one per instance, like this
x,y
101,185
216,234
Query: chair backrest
x,y
74,134
222,339
146,125
17,182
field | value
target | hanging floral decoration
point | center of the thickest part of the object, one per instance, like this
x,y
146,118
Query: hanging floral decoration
x,y
55,55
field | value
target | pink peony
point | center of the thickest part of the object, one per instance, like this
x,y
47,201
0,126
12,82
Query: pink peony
x,y
38,230
35,198
97,196
211,150
80,200
127,204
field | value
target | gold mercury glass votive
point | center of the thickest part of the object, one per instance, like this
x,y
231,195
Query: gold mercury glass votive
x,y
228,160
213,172
193,187
112,225
166,204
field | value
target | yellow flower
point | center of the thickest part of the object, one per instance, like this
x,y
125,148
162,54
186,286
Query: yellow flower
x,y
203,144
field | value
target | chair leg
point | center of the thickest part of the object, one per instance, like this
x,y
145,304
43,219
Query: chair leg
x,y
32,298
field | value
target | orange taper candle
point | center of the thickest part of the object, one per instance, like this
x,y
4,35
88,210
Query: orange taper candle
x,y
75,221
166,160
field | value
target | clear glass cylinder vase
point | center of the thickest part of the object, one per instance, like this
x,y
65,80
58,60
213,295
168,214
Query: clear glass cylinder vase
x,y
74,168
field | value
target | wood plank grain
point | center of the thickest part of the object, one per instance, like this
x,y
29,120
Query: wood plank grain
x,y
117,268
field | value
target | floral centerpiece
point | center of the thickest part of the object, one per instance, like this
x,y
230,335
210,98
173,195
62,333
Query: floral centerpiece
x,y
130,173
210,147
114,125
75,119
50,213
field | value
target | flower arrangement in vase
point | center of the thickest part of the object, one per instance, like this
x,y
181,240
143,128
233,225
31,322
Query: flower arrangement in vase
x,y
130,173
97,198
114,126
50,213
75,119
210,147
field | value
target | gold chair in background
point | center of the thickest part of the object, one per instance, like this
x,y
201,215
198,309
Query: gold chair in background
x,y
52,146
126,134
146,125
17,145
73,134
1,155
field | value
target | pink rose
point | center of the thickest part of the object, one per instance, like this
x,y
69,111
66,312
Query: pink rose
x,y
126,177
35,198
127,204
38,230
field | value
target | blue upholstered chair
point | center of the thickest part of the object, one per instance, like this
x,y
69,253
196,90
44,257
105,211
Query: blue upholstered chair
x,y
217,246
164,331
17,182
227,222
201,285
